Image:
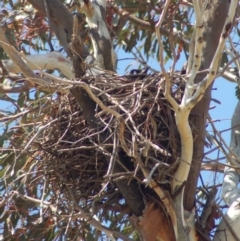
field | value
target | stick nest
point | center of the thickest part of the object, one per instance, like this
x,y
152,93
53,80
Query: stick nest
x,y
138,133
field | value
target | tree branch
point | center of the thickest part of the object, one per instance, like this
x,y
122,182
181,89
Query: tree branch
x,y
60,17
189,101
14,89
177,36
194,61
50,61
199,113
11,52
104,53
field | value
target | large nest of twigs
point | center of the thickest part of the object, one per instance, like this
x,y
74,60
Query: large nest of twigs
x,y
135,129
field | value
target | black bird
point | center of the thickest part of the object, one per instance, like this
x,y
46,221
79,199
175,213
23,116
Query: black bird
x,y
138,74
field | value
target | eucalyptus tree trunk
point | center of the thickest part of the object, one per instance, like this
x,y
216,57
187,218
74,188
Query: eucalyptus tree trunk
x,y
213,21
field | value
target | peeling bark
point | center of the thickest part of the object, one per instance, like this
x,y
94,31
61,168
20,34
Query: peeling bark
x,y
155,217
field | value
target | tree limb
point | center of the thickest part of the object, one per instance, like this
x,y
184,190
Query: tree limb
x,y
213,18
50,61
177,36
60,17
104,53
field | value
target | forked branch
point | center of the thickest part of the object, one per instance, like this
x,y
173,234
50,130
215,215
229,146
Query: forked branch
x,y
192,95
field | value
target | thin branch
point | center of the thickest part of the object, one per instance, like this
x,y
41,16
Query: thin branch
x,y
228,76
161,59
177,36
34,200
229,153
14,89
91,220
49,24
14,56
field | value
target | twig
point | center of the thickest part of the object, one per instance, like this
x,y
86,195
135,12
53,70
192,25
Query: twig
x,y
237,57
114,153
45,204
161,59
14,89
149,178
91,220
42,199
230,159
207,210
144,24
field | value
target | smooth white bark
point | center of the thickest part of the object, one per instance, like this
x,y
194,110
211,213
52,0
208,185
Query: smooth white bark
x,y
190,100
49,61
